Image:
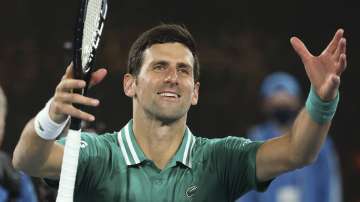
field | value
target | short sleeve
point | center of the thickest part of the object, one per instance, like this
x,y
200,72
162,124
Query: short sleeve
x,y
89,160
235,161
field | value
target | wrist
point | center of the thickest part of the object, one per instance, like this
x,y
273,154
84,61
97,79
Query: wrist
x,y
45,127
56,118
321,111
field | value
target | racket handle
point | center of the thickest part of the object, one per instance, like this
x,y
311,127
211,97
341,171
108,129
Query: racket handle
x,y
75,123
69,167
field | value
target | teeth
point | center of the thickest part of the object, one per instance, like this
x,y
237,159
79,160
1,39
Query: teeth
x,y
168,95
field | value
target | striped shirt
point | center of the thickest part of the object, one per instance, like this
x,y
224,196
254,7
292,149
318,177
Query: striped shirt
x,y
112,167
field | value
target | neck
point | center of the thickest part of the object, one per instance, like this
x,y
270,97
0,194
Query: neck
x,y
158,140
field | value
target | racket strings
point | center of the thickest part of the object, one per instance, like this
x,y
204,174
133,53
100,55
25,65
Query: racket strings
x,y
91,32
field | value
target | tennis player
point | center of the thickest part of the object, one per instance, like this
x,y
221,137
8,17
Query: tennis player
x,y
155,156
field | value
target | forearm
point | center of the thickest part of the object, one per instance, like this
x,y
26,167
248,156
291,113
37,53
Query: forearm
x,y
294,149
36,156
311,127
301,144
306,138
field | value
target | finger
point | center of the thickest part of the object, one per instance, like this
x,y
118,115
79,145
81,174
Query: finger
x,y
76,98
97,76
342,64
74,112
69,84
68,72
331,48
341,48
300,49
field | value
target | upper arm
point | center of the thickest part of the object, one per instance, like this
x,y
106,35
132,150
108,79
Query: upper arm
x,y
236,165
36,156
52,166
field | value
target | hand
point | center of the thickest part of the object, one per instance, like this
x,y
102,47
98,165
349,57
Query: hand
x,y
324,71
61,105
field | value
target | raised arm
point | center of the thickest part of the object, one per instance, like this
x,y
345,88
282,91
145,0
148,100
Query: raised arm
x,y
301,145
40,157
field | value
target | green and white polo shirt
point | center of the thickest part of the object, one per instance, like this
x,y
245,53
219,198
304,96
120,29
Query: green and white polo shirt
x,y
112,167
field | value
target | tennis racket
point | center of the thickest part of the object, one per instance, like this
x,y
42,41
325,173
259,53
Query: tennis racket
x,y
88,29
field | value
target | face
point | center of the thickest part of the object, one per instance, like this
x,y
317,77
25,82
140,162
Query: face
x,y
165,87
282,107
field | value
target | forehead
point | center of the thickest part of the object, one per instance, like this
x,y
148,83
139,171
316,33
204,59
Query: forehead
x,y
175,52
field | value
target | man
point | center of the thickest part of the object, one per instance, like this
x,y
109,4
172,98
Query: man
x,y
14,186
155,157
320,182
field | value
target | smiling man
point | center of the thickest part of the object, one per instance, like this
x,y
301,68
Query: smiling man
x,y
155,157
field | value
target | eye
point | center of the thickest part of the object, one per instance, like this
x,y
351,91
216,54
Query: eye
x,y
184,70
159,66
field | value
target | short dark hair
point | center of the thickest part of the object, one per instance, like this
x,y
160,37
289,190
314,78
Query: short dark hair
x,y
164,33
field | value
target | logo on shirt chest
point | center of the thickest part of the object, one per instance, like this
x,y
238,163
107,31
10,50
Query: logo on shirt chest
x,y
191,191
83,144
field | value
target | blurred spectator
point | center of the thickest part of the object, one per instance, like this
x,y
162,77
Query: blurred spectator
x,y
320,182
14,186
44,192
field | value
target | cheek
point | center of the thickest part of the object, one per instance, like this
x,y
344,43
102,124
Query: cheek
x,y
144,86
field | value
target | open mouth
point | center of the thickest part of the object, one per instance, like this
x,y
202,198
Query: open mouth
x,y
168,94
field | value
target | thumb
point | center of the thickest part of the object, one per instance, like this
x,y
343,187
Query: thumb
x,y
97,76
330,88
300,49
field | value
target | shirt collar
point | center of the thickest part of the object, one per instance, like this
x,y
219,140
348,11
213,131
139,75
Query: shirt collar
x,y
134,155
130,150
183,154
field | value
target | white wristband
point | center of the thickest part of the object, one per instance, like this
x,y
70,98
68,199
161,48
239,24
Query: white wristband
x,y
47,128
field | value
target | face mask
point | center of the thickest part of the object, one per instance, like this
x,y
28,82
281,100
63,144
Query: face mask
x,y
283,116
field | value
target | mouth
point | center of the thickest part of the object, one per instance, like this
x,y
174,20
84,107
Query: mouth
x,y
168,94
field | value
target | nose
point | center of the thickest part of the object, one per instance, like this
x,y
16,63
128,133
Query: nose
x,y
171,75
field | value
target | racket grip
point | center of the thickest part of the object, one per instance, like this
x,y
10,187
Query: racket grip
x,y
69,167
75,123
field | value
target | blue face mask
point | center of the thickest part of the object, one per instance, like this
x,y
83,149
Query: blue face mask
x,y
283,116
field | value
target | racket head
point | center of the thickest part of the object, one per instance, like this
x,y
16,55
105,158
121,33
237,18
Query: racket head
x,y
88,29
87,34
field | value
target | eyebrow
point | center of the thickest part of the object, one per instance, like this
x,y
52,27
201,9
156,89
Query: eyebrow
x,y
164,62
183,65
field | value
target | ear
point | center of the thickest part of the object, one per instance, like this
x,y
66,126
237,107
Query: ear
x,y
195,97
129,85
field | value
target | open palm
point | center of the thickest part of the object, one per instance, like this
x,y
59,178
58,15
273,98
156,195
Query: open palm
x,y
324,71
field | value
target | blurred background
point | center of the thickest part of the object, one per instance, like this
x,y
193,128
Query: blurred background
x,y
239,42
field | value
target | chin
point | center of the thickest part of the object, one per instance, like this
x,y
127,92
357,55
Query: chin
x,y
168,117
167,114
